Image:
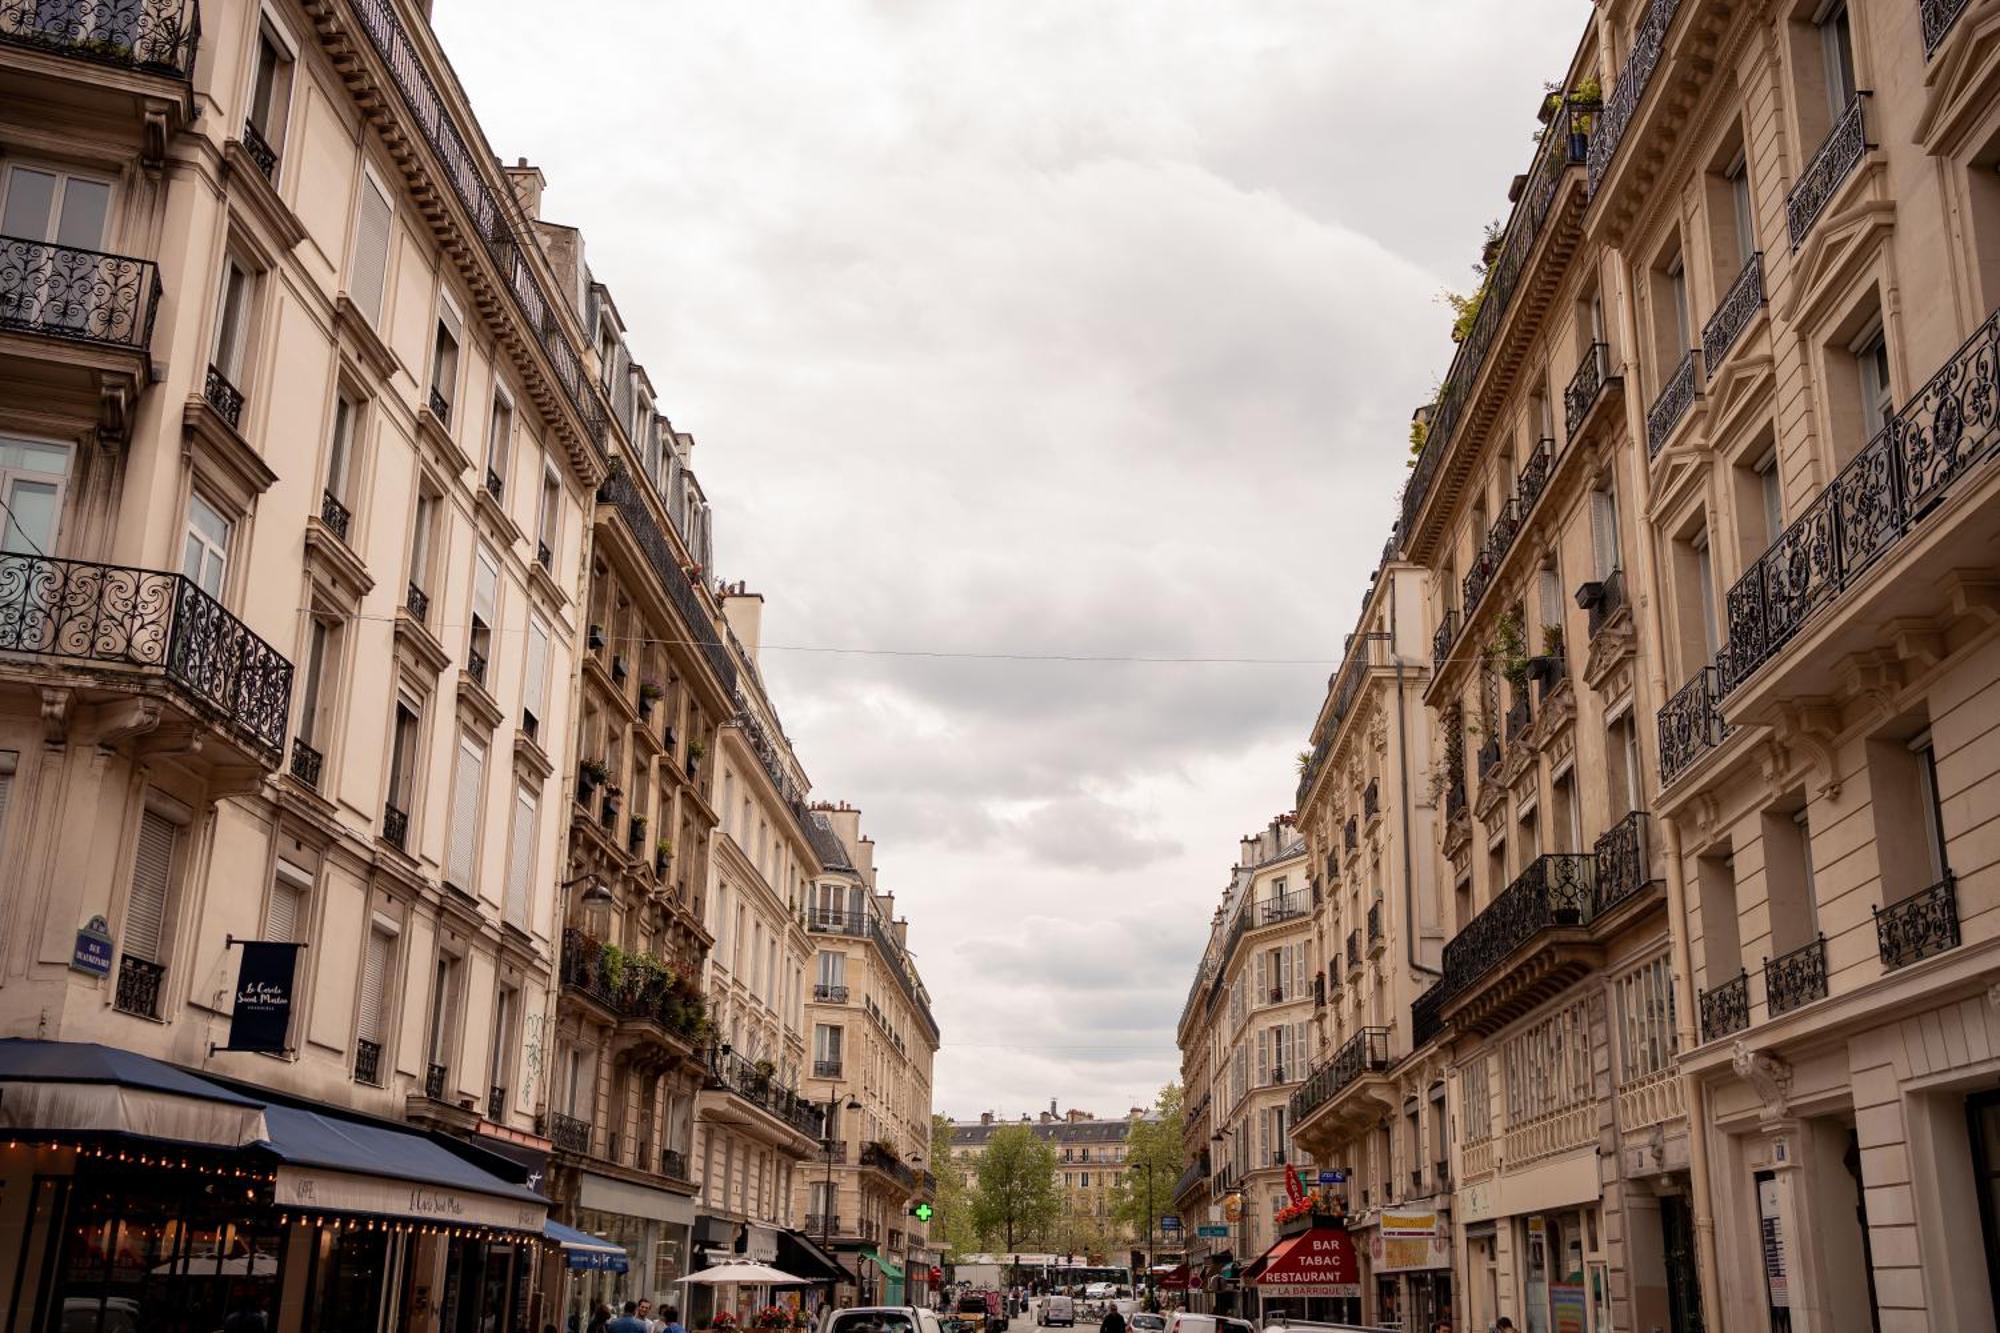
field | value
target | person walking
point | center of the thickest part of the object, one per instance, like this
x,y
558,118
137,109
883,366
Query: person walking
x,y
629,1322
670,1319
1113,1321
600,1319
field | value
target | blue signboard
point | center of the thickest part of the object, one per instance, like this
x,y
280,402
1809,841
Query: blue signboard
x,y
1213,1230
93,948
1334,1176
1169,1222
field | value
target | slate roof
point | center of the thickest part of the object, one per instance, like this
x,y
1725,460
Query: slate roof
x,y
826,844
1054,1131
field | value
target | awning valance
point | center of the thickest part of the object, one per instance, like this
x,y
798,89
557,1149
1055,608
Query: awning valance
x,y
801,1254
1319,1262
83,1088
582,1250
356,1166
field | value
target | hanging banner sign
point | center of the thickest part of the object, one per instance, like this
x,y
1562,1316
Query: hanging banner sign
x,y
1294,1193
263,1014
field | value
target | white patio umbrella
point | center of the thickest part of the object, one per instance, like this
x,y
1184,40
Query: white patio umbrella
x,y
746,1275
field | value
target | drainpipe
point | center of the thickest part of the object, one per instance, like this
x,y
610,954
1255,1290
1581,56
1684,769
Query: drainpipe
x,y
1649,588
1403,797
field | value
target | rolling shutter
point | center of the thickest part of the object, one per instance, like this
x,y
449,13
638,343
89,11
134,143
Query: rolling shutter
x,y
465,790
290,890
521,859
375,986
152,871
371,251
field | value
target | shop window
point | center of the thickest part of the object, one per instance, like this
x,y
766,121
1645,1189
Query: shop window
x,y
368,266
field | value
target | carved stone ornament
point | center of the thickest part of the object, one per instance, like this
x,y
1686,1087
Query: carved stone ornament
x,y
1768,1076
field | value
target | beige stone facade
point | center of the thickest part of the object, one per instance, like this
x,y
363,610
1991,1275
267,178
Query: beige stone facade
x,y
1090,1168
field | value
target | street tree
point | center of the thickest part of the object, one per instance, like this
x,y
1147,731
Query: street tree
x,y
1014,1195
951,1222
1155,1156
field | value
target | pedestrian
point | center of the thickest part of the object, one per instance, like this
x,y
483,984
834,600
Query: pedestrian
x,y
629,1322
1503,1325
670,1319
1113,1322
600,1319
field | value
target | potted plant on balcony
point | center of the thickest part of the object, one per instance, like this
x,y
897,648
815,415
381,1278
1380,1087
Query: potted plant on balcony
x,y
1510,648
635,836
650,693
663,852
594,637
695,752
590,775
1547,669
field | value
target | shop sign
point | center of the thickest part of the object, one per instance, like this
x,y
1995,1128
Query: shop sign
x,y
262,1017
1294,1192
93,948
1333,1176
1322,1262
1169,1222
1213,1230
339,1191
1407,1241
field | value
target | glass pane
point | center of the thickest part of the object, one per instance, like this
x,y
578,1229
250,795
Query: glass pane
x,y
30,204
86,205
30,521
204,519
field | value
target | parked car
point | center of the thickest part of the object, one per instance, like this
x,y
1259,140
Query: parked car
x,y
880,1319
971,1312
1139,1321
1185,1322
1058,1312
1279,1324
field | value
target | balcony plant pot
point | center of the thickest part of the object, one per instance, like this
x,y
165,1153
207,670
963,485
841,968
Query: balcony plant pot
x,y
618,669
594,637
590,775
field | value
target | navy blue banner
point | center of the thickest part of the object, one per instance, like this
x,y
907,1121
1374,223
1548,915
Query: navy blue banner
x,y
263,1015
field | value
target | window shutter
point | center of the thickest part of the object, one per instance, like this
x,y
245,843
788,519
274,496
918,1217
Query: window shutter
x,y
1286,971
146,913
290,892
375,986
1263,979
534,690
371,252
1263,1056
521,860
485,589
465,813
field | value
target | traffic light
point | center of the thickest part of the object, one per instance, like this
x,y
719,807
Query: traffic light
x,y
923,1212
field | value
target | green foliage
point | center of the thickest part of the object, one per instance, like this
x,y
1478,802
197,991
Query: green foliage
x,y
1014,1194
1420,430
951,1227
1155,1145
1552,641
1510,647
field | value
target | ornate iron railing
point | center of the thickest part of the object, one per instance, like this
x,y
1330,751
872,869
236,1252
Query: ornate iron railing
x,y
1427,1016
496,1103
260,151
152,36
1584,387
1350,833
440,406
80,295
1283,907
334,514
878,1158
619,491
760,1087
396,827
823,1225
368,1062
1726,1008
1676,399
1353,951
1557,889
1520,716
306,762
830,994
1919,926
1603,599
1454,797
1951,424
1623,863
673,1163
1846,144
1374,923
1938,16
837,921
826,1069
569,1134
224,397
1690,724
1488,757
418,602
1795,978
434,1082
1649,43
122,616
475,665
1566,141
642,989
1366,1051
1443,637
1739,306
1479,576
139,981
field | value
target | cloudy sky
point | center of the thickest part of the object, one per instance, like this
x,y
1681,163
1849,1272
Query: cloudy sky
x,y
1031,329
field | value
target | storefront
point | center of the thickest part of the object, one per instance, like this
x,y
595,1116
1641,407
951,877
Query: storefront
x,y
1556,1278
802,1256
652,1226
1313,1275
1410,1253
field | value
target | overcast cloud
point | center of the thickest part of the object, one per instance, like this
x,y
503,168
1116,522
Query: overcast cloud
x,y
1083,327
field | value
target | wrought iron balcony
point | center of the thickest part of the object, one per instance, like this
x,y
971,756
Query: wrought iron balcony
x,y
1795,978
1350,833
260,151
1691,724
1846,144
334,514
1624,863
1882,494
1676,398
823,1225
1726,1008
1649,42
155,624
1283,907
368,1062
1454,797
1375,924
139,983
306,762
876,1157
729,1071
1520,716
417,602
475,665
544,556
396,827
1444,636
636,989
621,493
825,994
1557,890
1938,16
1367,1051
1353,951
495,488
1739,306
1919,926
1371,799
837,921
569,1134
1427,1016
59,291
224,397
826,1069
434,1081
151,36
1488,757
440,407
1586,386
1603,599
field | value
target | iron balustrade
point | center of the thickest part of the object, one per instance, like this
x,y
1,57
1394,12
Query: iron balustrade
x,y
475,665
879,1158
899,971
1795,978
1371,799
151,36
1951,424
544,556
440,407
1374,923
1739,306
334,514
837,921
495,488
649,993
1938,16
368,1062
152,622
1846,144
1488,757
434,1082
569,1134
830,994
396,827
1557,890
1350,833
826,1069
1726,1008
224,397
1919,926
1623,863
761,1088
619,491
1367,1051
1649,43
1353,951
1443,637
1603,599
496,1103
1319,990
417,602
673,1163
1427,1015
1282,907
823,1224
1586,386
1567,140
1676,399
833,1150
1691,724
1454,797
306,762
259,150
1479,577
60,291
139,982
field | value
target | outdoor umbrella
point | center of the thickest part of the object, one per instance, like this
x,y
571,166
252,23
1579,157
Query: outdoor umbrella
x,y
746,1275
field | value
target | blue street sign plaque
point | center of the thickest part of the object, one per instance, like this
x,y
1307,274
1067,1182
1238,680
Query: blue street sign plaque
x,y
1333,1177
1214,1231
1169,1222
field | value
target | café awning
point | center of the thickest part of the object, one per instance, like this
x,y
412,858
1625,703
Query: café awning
x,y
801,1254
1317,1262
83,1088
581,1250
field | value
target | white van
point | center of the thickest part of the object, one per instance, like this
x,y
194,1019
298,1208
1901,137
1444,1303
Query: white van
x,y
1058,1312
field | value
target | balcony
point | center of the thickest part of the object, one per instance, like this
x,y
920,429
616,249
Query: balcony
x,y
880,1159
368,1062
1353,952
1371,799
334,514
1488,757
674,1164
731,1073
1846,144
1920,926
395,827
1283,907
1796,978
823,1225
1586,388
826,1069
1320,1104
649,1000
224,397
1676,399
139,982
417,602
78,325
133,630
1690,725
621,493
1624,863
306,762
1531,942
1726,1008
1602,600
1649,42
569,1134
435,1076
1427,1016
830,994
154,37
1520,716
1739,306
1375,936
1938,17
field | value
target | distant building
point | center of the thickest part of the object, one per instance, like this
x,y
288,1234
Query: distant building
x,y
1090,1165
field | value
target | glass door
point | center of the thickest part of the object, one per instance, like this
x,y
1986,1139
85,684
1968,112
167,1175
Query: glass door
x,y
46,288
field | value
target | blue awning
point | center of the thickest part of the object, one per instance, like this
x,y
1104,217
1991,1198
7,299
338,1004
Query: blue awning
x,y
583,1250
68,1087
26,1060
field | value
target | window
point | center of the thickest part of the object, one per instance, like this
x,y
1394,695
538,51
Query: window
x,y
1837,48
444,365
467,795
1871,359
372,1028
826,1050
1645,1020
205,550
340,450
1705,585
1565,826
33,479
1604,530
548,525
500,1067
232,326
535,679
291,896
403,757
521,860
423,538
1625,787
368,270
444,1019
1547,1067
1788,877
485,615
43,204
1475,1100
1769,498
270,90
832,969
146,911
1742,213
499,444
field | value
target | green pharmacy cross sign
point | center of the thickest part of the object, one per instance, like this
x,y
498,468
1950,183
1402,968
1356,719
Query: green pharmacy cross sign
x,y
923,1212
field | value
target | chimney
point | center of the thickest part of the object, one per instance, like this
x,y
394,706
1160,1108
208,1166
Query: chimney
x,y
745,613
864,854
528,183
1136,1113
1047,1116
686,439
846,821
985,1117
1052,1106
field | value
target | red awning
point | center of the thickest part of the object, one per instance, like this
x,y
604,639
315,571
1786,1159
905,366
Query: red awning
x,y
1319,1262
1172,1278
1279,1249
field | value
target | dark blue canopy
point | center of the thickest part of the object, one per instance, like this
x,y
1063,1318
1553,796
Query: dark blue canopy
x,y
24,1060
308,1138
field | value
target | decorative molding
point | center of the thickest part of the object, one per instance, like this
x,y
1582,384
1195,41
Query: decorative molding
x,y
1768,1076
